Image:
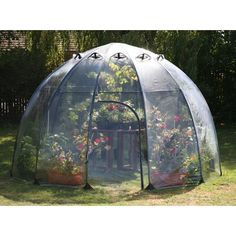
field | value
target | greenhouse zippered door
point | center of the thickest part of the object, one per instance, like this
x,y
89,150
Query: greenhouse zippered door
x,y
115,150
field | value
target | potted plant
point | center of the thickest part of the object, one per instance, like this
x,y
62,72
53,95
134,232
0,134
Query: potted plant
x,y
63,163
174,155
64,170
65,160
168,173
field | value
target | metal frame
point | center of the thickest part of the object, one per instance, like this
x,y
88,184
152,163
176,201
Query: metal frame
x,y
87,185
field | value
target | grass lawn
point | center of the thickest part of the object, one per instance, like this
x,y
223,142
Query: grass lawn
x,y
219,191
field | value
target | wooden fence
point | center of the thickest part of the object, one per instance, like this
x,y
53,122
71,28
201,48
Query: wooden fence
x,y
12,110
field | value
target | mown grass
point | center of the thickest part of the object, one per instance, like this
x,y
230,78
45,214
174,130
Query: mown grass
x,y
219,191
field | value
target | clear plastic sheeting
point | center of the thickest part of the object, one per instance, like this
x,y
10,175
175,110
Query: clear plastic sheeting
x,y
207,139
173,152
29,133
115,150
63,149
118,117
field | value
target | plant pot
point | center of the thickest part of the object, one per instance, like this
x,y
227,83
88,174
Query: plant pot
x,y
57,178
161,179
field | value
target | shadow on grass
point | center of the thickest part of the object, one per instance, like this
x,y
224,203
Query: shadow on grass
x,y
161,194
26,193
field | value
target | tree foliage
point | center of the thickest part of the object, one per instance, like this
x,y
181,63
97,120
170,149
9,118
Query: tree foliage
x,y
207,57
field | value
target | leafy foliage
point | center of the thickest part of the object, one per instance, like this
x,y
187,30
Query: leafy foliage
x,y
208,57
27,159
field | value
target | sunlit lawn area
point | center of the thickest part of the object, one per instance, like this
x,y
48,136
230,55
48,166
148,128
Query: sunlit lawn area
x,y
220,191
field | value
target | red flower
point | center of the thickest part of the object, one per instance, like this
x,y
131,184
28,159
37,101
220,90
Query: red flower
x,y
176,118
106,139
112,107
97,141
163,126
80,146
173,150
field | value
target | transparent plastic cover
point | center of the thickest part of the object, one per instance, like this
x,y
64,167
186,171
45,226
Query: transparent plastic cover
x,y
119,117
